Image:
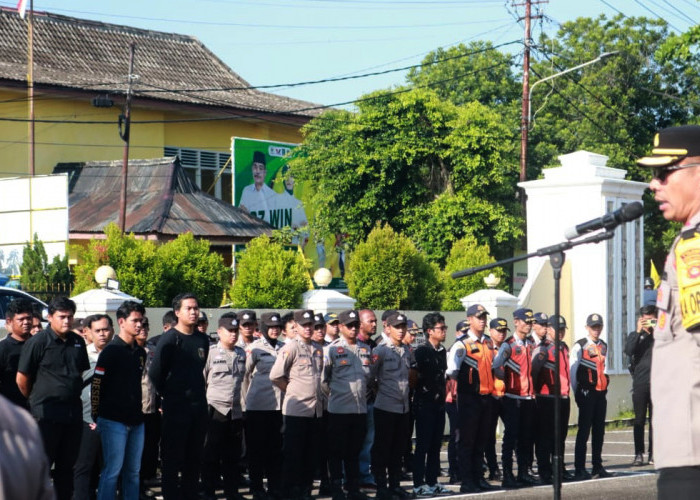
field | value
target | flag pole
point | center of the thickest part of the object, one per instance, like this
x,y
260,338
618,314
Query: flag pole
x,y
30,85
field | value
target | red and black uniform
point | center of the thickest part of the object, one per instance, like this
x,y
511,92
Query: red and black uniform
x,y
513,366
470,363
544,378
590,385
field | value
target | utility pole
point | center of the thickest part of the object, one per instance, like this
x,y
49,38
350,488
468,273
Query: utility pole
x,y
30,87
524,120
124,129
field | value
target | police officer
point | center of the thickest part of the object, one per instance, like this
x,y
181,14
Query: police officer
x,y
391,363
543,378
590,384
469,362
176,372
498,331
247,324
224,372
297,371
512,365
332,327
321,452
675,377
263,402
638,347
346,373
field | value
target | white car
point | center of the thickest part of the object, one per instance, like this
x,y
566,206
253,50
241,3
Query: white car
x,y
7,295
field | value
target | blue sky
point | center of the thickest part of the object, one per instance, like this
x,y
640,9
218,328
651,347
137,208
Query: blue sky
x,y
271,42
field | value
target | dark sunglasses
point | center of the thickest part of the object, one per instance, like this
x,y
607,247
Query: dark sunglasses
x,y
662,173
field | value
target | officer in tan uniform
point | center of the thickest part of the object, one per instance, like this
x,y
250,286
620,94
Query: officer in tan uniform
x,y
346,372
223,372
297,371
675,367
263,400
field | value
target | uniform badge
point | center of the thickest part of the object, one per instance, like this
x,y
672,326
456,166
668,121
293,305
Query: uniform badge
x,y
375,358
340,350
662,320
99,370
343,361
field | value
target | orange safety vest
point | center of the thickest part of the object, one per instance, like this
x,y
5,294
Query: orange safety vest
x,y
475,375
517,369
544,385
591,368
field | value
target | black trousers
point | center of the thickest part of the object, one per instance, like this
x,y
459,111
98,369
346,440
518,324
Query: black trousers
x,y
86,472
299,444
518,415
473,419
263,434
678,483
430,427
62,445
322,451
407,456
151,445
591,417
641,402
390,430
182,440
222,451
346,433
451,410
490,447
544,438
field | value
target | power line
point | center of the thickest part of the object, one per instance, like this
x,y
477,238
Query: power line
x,y
655,14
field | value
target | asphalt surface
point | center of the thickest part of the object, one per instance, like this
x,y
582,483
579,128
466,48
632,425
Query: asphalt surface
x,y
628,482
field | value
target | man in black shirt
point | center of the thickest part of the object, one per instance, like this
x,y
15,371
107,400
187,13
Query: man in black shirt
x,y
429,407
50,375
177,372
18,322
638,347
116,405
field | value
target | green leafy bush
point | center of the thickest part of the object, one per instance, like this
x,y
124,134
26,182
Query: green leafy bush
x,y
270,276
387,271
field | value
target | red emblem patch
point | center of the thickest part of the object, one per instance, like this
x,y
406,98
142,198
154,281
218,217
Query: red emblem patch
x,y
340,350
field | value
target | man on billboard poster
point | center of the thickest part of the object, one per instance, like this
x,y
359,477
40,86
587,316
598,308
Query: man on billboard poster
x,y
258,198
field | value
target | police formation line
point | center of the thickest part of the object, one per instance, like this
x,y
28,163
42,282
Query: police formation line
x,y
330,402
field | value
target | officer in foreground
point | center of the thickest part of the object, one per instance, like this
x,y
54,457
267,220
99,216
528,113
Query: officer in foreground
x,y
675,376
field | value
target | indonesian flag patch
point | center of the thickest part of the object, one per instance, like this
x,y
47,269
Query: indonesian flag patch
x,y
99,370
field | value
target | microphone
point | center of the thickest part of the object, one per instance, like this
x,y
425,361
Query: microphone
x,y
610,220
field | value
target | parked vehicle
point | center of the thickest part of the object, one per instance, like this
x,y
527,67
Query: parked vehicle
x,y
7,295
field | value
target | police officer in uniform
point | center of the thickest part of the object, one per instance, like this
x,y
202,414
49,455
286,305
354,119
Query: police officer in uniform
x,y
346,373
675,377
470,362
224,372
498,331
297,371
543,378
513,365
391,362
590,384
321,452
263,402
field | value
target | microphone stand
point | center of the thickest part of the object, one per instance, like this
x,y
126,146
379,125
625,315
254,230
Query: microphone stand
x,y
556,259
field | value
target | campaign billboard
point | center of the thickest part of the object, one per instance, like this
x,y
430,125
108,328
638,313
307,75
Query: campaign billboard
x,y
262,186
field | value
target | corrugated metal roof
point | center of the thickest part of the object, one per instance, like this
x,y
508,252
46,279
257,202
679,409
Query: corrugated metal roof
x,y
90,55
161,201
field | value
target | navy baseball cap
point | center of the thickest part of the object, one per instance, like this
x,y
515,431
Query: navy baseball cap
x,y
477,310
462,326
594,320
562,321
331,318
672,145
541,318
524,314
499,324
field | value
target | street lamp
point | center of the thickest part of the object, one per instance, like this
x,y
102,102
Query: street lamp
x,y
602,56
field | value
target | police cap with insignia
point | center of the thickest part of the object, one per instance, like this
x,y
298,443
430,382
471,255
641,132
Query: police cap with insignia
x,y
397,319
202,317
524,314
349,317
331,318
228,321
594,320
499,324
672,145
476,310
319,320
247,316
304,317
562,321
541,318
270,319
387,313
462,326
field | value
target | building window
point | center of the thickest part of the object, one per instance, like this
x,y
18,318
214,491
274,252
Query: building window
x,y
202,167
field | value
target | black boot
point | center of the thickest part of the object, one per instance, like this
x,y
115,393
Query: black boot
x,y
509,479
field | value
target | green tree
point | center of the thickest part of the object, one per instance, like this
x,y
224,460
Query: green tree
x,y
154,273
38,274
388,272
401,153
465,253
269,276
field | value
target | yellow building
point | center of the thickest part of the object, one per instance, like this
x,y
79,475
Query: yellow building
x,y
186,101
